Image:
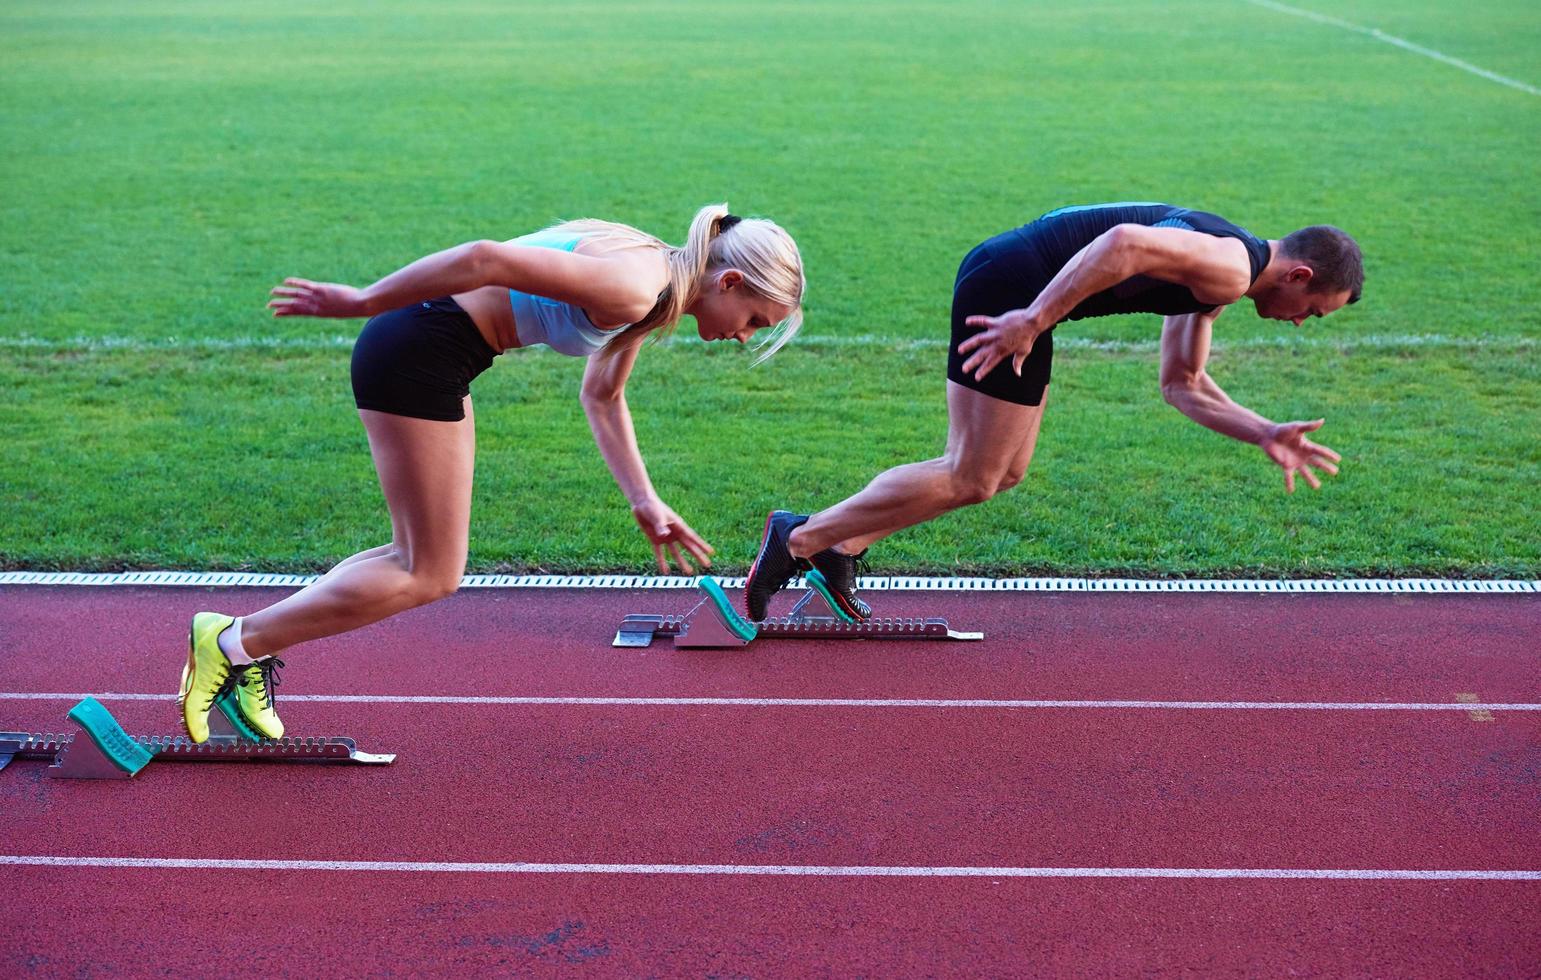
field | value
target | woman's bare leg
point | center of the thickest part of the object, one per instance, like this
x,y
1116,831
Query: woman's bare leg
x,y
425,470
989,445
353,560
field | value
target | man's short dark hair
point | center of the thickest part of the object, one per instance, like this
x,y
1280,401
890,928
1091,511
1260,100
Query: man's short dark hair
x,y
1333,256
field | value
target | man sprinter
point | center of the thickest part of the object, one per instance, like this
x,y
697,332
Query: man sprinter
x,y
1011,291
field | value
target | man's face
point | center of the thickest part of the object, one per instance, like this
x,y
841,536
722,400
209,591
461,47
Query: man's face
x,y
1293,300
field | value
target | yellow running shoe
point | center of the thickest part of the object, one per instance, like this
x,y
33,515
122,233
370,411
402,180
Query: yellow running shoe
x,y
254,692
206,675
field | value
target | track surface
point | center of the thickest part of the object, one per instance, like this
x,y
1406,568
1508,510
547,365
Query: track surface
x,y
804,786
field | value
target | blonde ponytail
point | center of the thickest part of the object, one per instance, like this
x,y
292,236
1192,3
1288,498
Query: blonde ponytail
x,y
760,249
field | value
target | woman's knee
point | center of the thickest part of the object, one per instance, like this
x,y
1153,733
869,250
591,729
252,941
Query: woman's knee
x,y
432,581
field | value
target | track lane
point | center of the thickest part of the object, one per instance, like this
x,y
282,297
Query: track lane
x,y
392,924
1075,646
838,786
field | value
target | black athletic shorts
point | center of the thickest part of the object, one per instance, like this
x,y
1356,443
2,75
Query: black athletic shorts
x,y
1000,275
418,361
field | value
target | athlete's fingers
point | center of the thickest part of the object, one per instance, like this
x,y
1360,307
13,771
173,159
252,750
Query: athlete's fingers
x,y
681,560
694,541
977,340
1016,363
1311,478
286,291
979,320
296,281
987,366
1324,465
981,354
663,564
701,557
1323,452
1289,481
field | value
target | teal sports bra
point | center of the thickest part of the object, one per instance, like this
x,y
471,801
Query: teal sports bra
x,y
563,327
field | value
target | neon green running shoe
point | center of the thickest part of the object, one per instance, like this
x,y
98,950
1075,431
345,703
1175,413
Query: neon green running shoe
x,y
254,692
207,674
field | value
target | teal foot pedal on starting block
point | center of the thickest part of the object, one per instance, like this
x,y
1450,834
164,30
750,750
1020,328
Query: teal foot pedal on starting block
x,y
103,750
724,627
816,581
239,727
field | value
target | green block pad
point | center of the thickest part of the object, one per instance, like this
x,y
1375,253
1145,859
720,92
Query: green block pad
x,y
817,583
232,712
109,736
741,627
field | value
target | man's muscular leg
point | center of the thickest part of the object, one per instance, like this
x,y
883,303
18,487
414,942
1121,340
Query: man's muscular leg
x,y
989,445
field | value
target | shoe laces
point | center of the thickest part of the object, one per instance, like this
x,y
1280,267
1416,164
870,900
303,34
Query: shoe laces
x,y
266,680
862,568
226,685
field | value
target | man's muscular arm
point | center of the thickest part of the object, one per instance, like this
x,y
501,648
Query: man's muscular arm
x,y
1216,270
1187,386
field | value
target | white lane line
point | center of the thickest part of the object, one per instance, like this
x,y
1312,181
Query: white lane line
x,y
805,870
1406,45
871,583
390,699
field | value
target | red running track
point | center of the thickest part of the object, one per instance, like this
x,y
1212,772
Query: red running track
x,y
807,786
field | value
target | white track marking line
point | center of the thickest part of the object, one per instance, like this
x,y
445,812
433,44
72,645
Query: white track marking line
x,y
805,870
1003,704
873,583
1407,45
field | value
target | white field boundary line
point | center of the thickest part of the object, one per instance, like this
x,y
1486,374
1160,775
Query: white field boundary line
x,y
1392,39
798,870
999,704
873,583
1328,342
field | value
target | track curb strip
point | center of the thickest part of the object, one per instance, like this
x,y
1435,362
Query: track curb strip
x,y
888,583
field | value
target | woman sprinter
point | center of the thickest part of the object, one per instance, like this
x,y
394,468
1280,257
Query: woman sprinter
x,y
591,289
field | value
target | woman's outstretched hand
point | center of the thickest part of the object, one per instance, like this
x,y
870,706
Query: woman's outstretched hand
x,y
1287,445
301,297
667,532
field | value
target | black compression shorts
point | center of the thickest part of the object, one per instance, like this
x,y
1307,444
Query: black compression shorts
x,y
419,361
996,277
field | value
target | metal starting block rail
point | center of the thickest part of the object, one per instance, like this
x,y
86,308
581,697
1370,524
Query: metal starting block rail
x,y
101,749
714,623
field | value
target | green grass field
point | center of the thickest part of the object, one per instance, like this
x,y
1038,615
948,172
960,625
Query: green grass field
x,y
165,163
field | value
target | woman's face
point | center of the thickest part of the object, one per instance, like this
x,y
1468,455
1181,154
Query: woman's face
x,y
728,309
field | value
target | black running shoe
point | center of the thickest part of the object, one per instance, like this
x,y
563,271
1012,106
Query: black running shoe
x,y
840,572
774,566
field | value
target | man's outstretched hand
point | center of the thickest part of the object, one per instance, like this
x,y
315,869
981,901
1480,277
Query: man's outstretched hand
x,y
1009,335
1287,445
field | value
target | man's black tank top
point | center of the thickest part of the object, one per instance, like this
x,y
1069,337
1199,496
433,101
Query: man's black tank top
x,y
1043,247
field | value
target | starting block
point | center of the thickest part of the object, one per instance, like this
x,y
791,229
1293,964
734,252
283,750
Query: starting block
x,y
713,622
101,749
